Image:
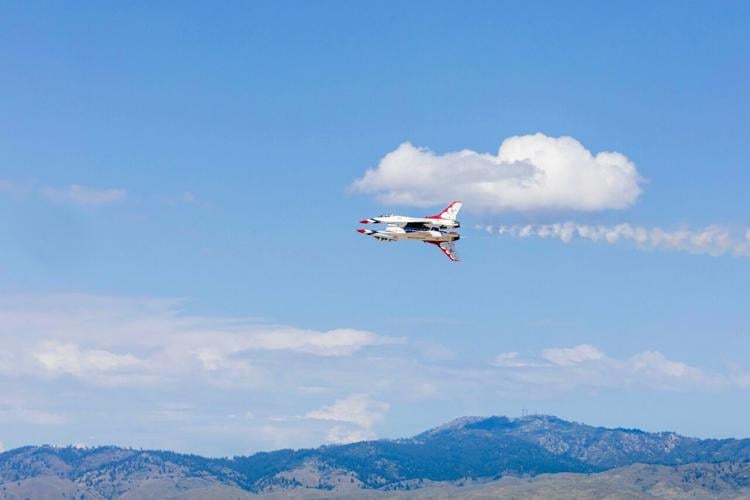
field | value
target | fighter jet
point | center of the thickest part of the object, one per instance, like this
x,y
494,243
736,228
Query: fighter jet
x,y
431,229
445,219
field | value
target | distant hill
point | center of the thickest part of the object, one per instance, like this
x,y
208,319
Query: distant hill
x,y
478,453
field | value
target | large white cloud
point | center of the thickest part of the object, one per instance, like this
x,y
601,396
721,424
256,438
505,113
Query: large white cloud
x,y
530,172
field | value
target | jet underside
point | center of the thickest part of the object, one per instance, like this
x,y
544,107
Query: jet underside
x,y
395,233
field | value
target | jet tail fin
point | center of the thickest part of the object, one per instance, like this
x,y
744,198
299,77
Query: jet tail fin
x,y
450,212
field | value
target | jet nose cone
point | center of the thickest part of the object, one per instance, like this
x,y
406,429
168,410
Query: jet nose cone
x,y
362,231
364,221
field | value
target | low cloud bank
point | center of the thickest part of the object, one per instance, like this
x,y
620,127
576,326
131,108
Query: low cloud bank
x,y
586,366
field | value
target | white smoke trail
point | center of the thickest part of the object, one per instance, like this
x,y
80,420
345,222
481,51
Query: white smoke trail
x,y
712,240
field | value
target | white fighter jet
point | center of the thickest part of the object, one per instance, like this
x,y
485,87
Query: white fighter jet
x,y
434,229
445,219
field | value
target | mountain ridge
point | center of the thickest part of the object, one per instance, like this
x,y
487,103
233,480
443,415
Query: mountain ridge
x,y
464,449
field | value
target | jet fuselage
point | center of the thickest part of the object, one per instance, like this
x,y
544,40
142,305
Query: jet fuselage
x,y
403,221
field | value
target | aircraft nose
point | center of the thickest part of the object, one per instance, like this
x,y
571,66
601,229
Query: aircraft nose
x,y
362,231
364,221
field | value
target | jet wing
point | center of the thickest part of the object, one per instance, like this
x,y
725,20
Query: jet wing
x,y
448,248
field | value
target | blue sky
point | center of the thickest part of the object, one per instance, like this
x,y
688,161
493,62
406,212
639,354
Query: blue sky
x,y
179,266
